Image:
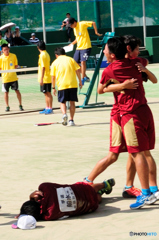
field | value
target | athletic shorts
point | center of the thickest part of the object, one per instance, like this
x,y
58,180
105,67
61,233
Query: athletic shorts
x,y
117,141
138,130
45,88
82,55
13,85
69,94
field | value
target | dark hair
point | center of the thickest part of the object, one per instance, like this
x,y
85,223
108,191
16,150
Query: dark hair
x,y
132,41
31,208
59,51
71,20
4,45
41,45
117,46
68,13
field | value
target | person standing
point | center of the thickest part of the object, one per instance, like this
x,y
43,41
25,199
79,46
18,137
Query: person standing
x,y
44,77
84,46
65,70
9,61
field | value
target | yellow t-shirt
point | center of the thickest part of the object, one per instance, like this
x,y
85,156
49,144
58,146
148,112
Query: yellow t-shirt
x,y
64,69
7,63
44,61
82,35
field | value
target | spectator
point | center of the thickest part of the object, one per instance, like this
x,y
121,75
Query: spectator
x,y
2,41
16,37
33,39
65,24
9,36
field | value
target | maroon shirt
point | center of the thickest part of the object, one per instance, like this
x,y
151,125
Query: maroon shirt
x,y
66,200
121,70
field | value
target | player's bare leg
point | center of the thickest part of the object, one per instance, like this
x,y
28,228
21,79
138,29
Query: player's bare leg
x,y
130,170
63,108
72,109
19,97
102,165
142,169
152,168
6,98
83,69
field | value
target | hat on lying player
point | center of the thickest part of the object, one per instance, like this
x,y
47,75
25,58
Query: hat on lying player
x,y
25,222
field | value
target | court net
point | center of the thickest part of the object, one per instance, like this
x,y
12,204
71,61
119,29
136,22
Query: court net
x,y
32,98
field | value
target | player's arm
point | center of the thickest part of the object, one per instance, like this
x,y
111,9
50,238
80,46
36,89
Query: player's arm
x,y
36,195
150,75
95,29
42,76
117,87
53,85
78,72
74,42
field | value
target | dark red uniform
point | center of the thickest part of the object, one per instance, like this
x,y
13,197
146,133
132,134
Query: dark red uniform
x,y
60,201
138,129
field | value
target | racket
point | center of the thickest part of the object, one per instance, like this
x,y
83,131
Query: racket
x,y
46,124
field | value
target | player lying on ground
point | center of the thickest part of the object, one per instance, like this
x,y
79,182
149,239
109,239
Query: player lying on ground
x,y
55,201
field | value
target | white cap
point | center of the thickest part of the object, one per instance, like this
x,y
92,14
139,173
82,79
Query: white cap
x,y
33,34
17,27
25,222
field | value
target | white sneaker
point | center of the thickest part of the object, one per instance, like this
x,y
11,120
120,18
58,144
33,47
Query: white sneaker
x,y
153,198
71,123
64,119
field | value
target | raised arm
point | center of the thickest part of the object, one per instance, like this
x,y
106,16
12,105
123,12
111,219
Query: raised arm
x,y
95,29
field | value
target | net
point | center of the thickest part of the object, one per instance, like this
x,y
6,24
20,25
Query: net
x,y
33,99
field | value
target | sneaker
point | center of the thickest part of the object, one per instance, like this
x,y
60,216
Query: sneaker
x,y
87,79
153,198
131,192
108,186
43,111
21,108
71,123
84,80
7,109
64,119
140,201
86,180
48,111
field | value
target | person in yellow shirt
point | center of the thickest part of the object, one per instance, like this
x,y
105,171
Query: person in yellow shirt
x,y
9,61
64,70
44,77
84,46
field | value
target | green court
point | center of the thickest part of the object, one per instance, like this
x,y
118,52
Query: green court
x,y
31,155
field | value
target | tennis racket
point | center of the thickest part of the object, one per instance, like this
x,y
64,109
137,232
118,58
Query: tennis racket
x,y
46,124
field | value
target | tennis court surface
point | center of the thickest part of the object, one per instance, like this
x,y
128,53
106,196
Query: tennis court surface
x,y
31,155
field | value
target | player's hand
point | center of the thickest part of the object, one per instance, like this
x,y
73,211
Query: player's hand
x,y
131,84
36,195
54,92
140,67
80,84
41,83
98,34
17,216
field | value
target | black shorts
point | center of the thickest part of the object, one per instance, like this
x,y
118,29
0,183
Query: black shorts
x,y
45,88
69,94
13,85
82,55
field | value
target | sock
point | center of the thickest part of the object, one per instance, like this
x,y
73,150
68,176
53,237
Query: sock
x,y
153,189
146,191
128,187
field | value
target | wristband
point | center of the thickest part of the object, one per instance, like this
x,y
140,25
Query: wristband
x,y
53,88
